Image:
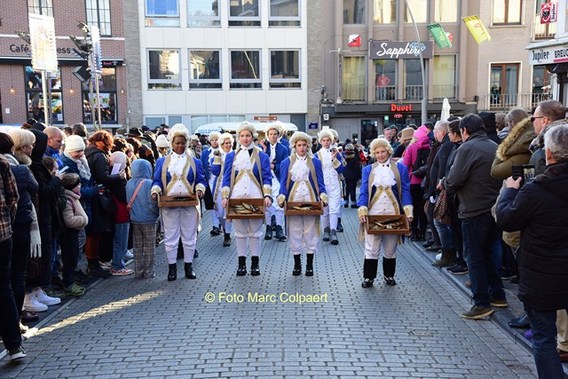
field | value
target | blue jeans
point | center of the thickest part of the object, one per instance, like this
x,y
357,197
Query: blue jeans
x,y
119,245
445,234
543,326
479,238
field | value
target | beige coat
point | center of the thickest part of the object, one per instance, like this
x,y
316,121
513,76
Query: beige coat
x,y
74,215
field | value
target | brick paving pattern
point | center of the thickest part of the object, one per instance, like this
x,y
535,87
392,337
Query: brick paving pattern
x,y
127,328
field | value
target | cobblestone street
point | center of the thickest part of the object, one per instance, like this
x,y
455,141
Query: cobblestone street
x,y
218,326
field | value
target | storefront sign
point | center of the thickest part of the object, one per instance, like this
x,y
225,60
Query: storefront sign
x,y
400,50
548,55
401,108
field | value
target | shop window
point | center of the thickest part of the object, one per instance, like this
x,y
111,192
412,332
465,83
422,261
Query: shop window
x,y
34,95
444,83
385,79
285,69
507,12
164,69
204,69
413,88
245,69
354,79
107,96
203,14
162,13
504,84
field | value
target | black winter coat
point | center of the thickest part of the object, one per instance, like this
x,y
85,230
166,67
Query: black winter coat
x,y
539,211
27,188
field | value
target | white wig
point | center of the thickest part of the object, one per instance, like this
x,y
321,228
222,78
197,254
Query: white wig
x,y
224,137
214,135
178,130
325,133
381,142
277,125
245,125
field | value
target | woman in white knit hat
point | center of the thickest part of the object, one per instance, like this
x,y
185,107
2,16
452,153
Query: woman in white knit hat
x,y
226,141
333,165
247,175
179,174
385,190
301,180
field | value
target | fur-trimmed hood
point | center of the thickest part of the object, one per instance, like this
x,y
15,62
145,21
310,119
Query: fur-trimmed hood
x,y
517,141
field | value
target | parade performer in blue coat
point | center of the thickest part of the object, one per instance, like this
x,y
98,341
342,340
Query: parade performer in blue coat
x,y
226,141
301,180
385,190
180,175
247,175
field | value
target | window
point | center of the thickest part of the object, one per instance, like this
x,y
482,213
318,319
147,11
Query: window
x,y
543,31
164,69
203,13
419,10
354,12
285,69
98,13
284,13
446,11
413,80
43,7
204,69
107,96
504,83
385,79
541,85
34,95
244,13
354,79
162,13
444,84
245,69
384,11
507,12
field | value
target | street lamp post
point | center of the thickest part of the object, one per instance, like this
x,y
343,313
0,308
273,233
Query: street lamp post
x,y
423,114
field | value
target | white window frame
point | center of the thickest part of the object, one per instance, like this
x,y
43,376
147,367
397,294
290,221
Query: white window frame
x,y
206,81
294,19
155,16
215,21
286,80
244,19
246,81
177,82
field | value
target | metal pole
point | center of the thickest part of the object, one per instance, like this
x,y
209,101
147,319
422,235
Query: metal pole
x,y
91,98
44,94
424,113
99,118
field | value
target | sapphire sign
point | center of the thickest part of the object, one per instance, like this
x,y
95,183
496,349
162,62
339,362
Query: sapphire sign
x,y
400,50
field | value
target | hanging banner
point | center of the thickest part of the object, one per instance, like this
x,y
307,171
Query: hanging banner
x,y
440,36
548,13
354,40
42,36
477,29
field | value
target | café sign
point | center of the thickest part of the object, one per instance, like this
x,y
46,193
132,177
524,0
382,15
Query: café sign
x,y
548,55
400,50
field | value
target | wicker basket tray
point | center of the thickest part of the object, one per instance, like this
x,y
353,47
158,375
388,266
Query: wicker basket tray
x,y
257,203
312,208
177,201
399,223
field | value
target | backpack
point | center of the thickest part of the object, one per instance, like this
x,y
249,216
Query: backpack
x,y
421,162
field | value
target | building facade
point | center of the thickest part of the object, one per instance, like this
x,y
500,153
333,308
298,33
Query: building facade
x,y
21,92
369,85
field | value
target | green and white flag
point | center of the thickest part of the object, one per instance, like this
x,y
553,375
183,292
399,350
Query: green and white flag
x,y
440,36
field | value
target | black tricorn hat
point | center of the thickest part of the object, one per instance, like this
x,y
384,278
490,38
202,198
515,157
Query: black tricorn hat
x,y
134,132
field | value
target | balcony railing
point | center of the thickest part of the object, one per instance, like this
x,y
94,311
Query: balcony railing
x,y
385,93
413,92
441,92
505,102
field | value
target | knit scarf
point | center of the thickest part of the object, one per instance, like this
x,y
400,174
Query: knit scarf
x,y
82,166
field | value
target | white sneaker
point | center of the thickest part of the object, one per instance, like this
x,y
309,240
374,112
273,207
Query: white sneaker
x,y
105,265
32,304
43,298
438,256
129,255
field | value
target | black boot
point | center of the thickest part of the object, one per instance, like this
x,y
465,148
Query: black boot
x,y
369,272
189,271
310,265
227,240
326,234
297,265
195,254
273,221
215,231
389,267
254,269
242,270
172,272
280,236
333,237
339,226
268,234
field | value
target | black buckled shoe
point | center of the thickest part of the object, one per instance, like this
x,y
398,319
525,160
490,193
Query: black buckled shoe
x,y
268,234
188,267
254,268
390,281
215,231
367,283
172,272
242,269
